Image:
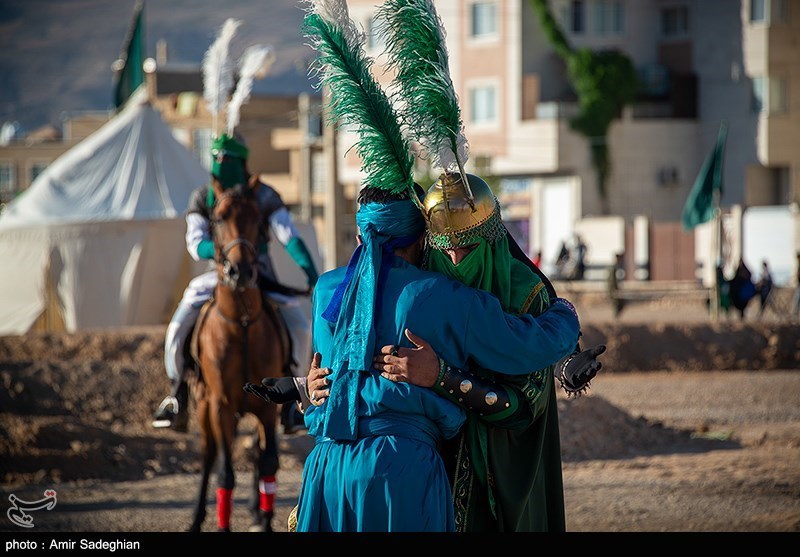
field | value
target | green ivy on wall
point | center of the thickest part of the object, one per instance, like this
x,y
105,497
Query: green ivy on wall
x,y
604,82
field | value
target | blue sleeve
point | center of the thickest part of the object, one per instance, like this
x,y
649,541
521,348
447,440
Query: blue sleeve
x,y
320,342
516,344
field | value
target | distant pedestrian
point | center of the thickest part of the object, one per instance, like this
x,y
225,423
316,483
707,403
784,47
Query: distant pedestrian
x,y
580,257
742,288
723,291
764,286
537,259
796,302
616,273
562,261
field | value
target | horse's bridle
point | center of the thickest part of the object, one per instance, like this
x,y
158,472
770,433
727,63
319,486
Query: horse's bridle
x,y
230,270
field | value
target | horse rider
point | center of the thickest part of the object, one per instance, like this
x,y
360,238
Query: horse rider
x,y
229,169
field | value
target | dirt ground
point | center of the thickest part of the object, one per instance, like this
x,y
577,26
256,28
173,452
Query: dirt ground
x,y
691,426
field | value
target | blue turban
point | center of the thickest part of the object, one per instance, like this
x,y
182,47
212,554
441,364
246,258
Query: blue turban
x,y
384,228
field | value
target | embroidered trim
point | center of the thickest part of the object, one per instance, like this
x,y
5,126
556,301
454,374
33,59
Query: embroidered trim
x,y
490,229
529,300
462,485
567,303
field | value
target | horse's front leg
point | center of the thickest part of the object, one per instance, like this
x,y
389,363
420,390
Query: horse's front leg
x,y
208,455
266,468
225,475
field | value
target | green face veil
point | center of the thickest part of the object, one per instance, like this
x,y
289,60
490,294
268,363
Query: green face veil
x,y
487,267
228,163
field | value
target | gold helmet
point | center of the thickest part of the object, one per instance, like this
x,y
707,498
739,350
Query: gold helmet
x,y
456,219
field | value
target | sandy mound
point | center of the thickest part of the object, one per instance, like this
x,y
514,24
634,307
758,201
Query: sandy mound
x,y
78,406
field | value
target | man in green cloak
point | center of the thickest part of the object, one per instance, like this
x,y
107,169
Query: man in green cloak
x,y
505,465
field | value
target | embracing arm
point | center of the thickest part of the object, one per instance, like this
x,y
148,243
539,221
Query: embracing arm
x,y
504,401
515,401
477,329
508,402
516,344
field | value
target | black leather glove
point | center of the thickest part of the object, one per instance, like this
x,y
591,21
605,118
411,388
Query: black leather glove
x,y
278,391
578,369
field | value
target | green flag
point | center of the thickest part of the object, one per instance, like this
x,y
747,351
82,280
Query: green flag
x,y
130,74
699,207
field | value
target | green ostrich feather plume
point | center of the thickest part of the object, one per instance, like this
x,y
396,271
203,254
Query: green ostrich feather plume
x,y
357,99
417,53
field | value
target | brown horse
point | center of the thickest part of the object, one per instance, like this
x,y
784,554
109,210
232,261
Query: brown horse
x,y
238,339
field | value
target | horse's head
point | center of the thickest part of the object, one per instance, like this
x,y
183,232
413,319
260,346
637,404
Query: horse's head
x,y
235,221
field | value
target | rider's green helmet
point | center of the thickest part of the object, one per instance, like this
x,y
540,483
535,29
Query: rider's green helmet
x,y
228,157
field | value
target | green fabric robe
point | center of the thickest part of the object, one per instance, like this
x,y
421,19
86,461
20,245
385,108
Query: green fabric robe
x,y
506,470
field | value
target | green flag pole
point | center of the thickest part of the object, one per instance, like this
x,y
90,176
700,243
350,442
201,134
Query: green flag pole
x,y
130,73
717,211
715,301
703,205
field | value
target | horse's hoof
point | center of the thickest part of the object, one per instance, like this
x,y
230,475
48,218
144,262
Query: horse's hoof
x,y
262,522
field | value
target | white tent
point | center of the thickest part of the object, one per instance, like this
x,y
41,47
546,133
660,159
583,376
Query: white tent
x,y
99,235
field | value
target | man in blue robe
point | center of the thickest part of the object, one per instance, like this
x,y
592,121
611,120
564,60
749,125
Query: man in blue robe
x,y
375,464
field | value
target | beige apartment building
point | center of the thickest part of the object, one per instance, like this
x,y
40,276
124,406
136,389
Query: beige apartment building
x,y
699,63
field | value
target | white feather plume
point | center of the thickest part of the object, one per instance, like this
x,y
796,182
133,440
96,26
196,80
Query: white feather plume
x,y
254,64
336,13
218,70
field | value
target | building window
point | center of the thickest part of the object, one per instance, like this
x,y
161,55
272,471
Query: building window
x,y
769,95
484,19
483,105
777,95
573,17
778,11
375,40
319,168
36,168
8,181
759,94
654,80
201,147
675,21
758,10
314,123
609,17
767,11
515,185
781,184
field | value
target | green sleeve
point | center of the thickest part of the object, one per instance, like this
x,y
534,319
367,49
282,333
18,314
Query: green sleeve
x,y
299,252
530,390
205,249
513,412
523,395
